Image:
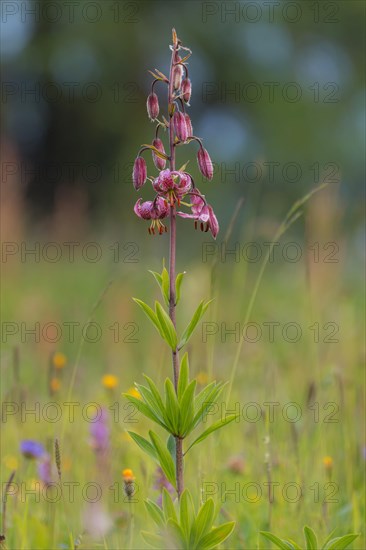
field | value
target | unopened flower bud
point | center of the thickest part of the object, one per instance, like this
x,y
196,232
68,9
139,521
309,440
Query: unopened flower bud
x,y
139,173
180,126
186,89
177,76
158,161
205,163
152,105
128,482
189,125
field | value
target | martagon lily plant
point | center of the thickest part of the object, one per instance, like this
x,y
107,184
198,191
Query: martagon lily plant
x,y
179,410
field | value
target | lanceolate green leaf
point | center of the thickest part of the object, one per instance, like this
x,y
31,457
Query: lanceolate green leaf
x,y
292,544
155,392
168,506
166,461
175,529
310,537
276,540
178,284
167,328
144,409
187,410
171,405
203,522
207,402
158,278
216,536
204,395
339,543
156,151
150,314
155,512
171,446
144,444
187,512
216,426
198,314
165,285
156,541
183,376
151,402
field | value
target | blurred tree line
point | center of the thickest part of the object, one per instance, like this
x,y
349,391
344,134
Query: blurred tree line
x,y
278,96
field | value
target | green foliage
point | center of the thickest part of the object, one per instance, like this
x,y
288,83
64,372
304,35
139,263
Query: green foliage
x,y
160,318
179,413
178,284
161,321
198,314
311,541
167,328
181,526
164,284
164,456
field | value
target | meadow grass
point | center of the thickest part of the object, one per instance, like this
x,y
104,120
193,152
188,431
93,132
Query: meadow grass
x,y
324,380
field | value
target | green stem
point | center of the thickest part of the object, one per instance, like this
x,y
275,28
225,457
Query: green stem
x,y
172,262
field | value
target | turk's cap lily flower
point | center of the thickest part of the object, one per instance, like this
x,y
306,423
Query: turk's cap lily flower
x,y
202,212
173,184
153,210
139,173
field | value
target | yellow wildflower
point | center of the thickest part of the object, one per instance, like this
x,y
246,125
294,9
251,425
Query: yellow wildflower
x,y
134,393
202,378
59,360
328,462
110,381
10,462
55,384
127,475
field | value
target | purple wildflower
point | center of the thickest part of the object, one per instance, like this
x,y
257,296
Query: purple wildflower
x,y
45,469
161,482
32,449
99,432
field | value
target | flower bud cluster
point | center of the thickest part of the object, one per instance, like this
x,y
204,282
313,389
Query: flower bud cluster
x,y
173,187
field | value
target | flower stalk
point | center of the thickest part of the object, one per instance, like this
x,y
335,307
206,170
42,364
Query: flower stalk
x,y
172,260
178,410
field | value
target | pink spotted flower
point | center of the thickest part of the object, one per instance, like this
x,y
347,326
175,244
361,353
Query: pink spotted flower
x,y
155,211
173,185
203,213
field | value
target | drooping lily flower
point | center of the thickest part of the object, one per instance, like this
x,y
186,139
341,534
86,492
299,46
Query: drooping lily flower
x,y
173,185
153,210
202,212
